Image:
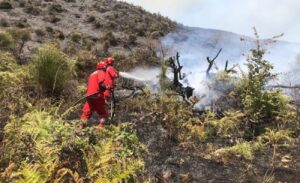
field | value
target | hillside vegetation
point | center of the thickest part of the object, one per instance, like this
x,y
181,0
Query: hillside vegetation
x,y
47,49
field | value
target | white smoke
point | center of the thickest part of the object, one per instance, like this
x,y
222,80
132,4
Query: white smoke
x,y
195,44
145,76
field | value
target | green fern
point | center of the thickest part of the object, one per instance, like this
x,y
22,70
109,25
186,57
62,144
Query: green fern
x,y
42,140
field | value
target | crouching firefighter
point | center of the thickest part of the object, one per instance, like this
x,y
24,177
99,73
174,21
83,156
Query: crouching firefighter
x,y
95,100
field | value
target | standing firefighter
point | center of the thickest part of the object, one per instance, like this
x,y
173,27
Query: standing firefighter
x,y
95,95
110,76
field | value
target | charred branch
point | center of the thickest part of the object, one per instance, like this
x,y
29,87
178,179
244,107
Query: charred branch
x,y
231,70
176,67
212,61
285,87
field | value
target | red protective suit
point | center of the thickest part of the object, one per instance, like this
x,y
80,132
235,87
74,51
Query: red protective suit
x,y
110,76
95,96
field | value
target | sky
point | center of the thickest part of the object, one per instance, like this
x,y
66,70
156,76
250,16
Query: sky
x,y
270,17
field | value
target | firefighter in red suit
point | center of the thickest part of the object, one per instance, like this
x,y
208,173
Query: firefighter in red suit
x,y
95,95
110,76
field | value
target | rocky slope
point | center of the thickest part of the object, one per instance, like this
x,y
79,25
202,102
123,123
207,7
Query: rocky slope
x,y
104,26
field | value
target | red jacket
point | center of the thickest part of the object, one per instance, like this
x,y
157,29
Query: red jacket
x,y
96,79
110,75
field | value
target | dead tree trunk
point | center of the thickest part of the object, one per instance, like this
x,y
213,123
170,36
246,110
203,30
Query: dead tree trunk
x,y
176,68
285,87
211,61
174,64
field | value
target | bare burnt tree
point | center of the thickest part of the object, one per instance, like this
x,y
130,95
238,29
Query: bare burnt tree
x,y
176,69
174,64
212,61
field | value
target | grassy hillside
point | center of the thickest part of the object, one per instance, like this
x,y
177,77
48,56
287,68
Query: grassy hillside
x,y
88,28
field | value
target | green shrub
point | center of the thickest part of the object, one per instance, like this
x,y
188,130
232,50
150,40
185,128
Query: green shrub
x,y
7,62
244,150
264,108
13,80
20,37
276,137
229,127
76,37
52,70
6,41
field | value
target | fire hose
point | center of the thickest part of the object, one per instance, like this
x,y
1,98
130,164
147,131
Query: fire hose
x,y
112,106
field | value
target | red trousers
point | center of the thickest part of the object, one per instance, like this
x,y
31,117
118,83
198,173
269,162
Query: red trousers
x,y
94,105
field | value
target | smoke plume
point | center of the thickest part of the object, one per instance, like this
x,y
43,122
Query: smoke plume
x,y
195,44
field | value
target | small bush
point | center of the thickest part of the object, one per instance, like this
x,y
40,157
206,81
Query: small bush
x,y
91,19
59,34
55,8
54,19
6,41
244,150
87,43
13,79
97,24
40,32
5,5
32,10
132,39
227,127
22,23
7,62
76,37
20,37
110,37
52,70
276,137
